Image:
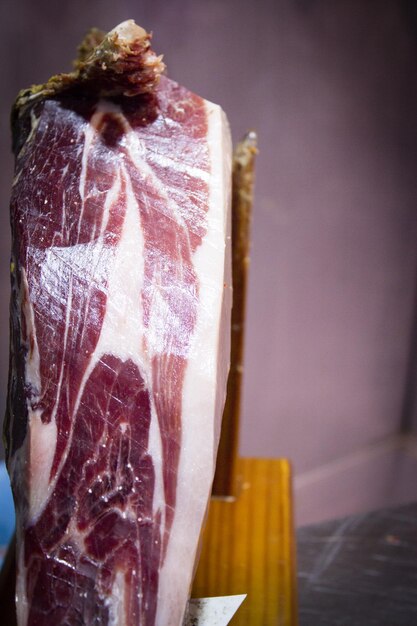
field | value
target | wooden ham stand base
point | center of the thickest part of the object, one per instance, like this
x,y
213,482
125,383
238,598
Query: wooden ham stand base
x,y
248,545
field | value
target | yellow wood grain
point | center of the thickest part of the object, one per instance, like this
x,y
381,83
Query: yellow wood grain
x,y
248,545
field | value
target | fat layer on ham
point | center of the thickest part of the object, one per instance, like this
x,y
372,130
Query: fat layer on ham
x,y
120,326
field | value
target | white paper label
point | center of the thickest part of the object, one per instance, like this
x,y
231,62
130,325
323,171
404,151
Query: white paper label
x,y
212,611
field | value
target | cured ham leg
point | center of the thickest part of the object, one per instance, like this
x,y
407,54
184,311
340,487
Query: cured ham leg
x,y
120,325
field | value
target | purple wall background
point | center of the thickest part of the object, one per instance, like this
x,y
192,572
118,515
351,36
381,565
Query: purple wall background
x,y
331,88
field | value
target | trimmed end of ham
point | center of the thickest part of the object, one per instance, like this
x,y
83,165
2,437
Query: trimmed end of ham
x,y
119,64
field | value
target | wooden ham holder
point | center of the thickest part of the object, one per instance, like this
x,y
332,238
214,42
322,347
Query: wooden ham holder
x,y
248,541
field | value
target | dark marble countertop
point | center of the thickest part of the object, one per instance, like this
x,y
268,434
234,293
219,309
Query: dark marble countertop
x,y
360,570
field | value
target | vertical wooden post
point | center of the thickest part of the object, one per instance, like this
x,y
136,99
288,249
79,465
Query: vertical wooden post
x,y
242,200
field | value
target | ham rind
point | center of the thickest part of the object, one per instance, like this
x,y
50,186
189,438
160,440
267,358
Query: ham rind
x,y
120,325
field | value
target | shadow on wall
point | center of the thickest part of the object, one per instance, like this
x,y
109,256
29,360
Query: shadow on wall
x,y
331,89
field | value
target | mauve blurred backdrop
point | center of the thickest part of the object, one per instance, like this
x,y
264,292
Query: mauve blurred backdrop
x,y
331,88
